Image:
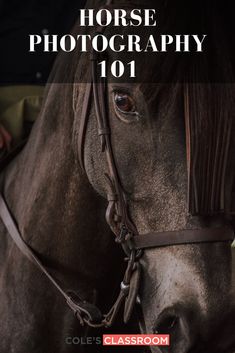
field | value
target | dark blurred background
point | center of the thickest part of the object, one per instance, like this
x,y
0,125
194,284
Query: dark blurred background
x,y
20,18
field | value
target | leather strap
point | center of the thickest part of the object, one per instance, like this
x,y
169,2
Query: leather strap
x,y
83,311
83,124
187,236
117,211
86,312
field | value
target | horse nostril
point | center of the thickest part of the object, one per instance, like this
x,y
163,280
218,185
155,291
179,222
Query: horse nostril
x,y
166,325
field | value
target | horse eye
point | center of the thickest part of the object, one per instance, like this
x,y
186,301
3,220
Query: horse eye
x,y
124,102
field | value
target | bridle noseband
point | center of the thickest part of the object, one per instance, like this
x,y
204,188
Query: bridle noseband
x,y
117,217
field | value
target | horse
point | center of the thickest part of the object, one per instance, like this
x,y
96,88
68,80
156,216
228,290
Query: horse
x,y
57,190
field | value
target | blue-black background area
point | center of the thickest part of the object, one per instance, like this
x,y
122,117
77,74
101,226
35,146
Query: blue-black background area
x,y
20,18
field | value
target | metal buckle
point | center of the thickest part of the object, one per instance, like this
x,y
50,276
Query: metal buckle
x,y
121,238
85,312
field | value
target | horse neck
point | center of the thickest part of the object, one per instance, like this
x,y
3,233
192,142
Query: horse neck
x,y
53,203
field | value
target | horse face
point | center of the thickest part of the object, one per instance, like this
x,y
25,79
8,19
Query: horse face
x,y
185,290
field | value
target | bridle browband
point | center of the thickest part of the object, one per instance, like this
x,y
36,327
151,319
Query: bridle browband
x,y
117,216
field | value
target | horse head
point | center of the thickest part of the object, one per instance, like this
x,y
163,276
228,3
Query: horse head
x,y
186,289
159,158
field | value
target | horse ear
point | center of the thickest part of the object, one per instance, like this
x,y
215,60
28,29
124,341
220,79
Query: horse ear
x,y
133,293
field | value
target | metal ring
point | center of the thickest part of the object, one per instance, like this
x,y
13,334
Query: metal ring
x,y
125,287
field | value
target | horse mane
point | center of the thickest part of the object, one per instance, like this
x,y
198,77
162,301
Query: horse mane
x,y
204,85
209,124
209,117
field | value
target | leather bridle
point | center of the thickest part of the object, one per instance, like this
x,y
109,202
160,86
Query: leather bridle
x,y
117,217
